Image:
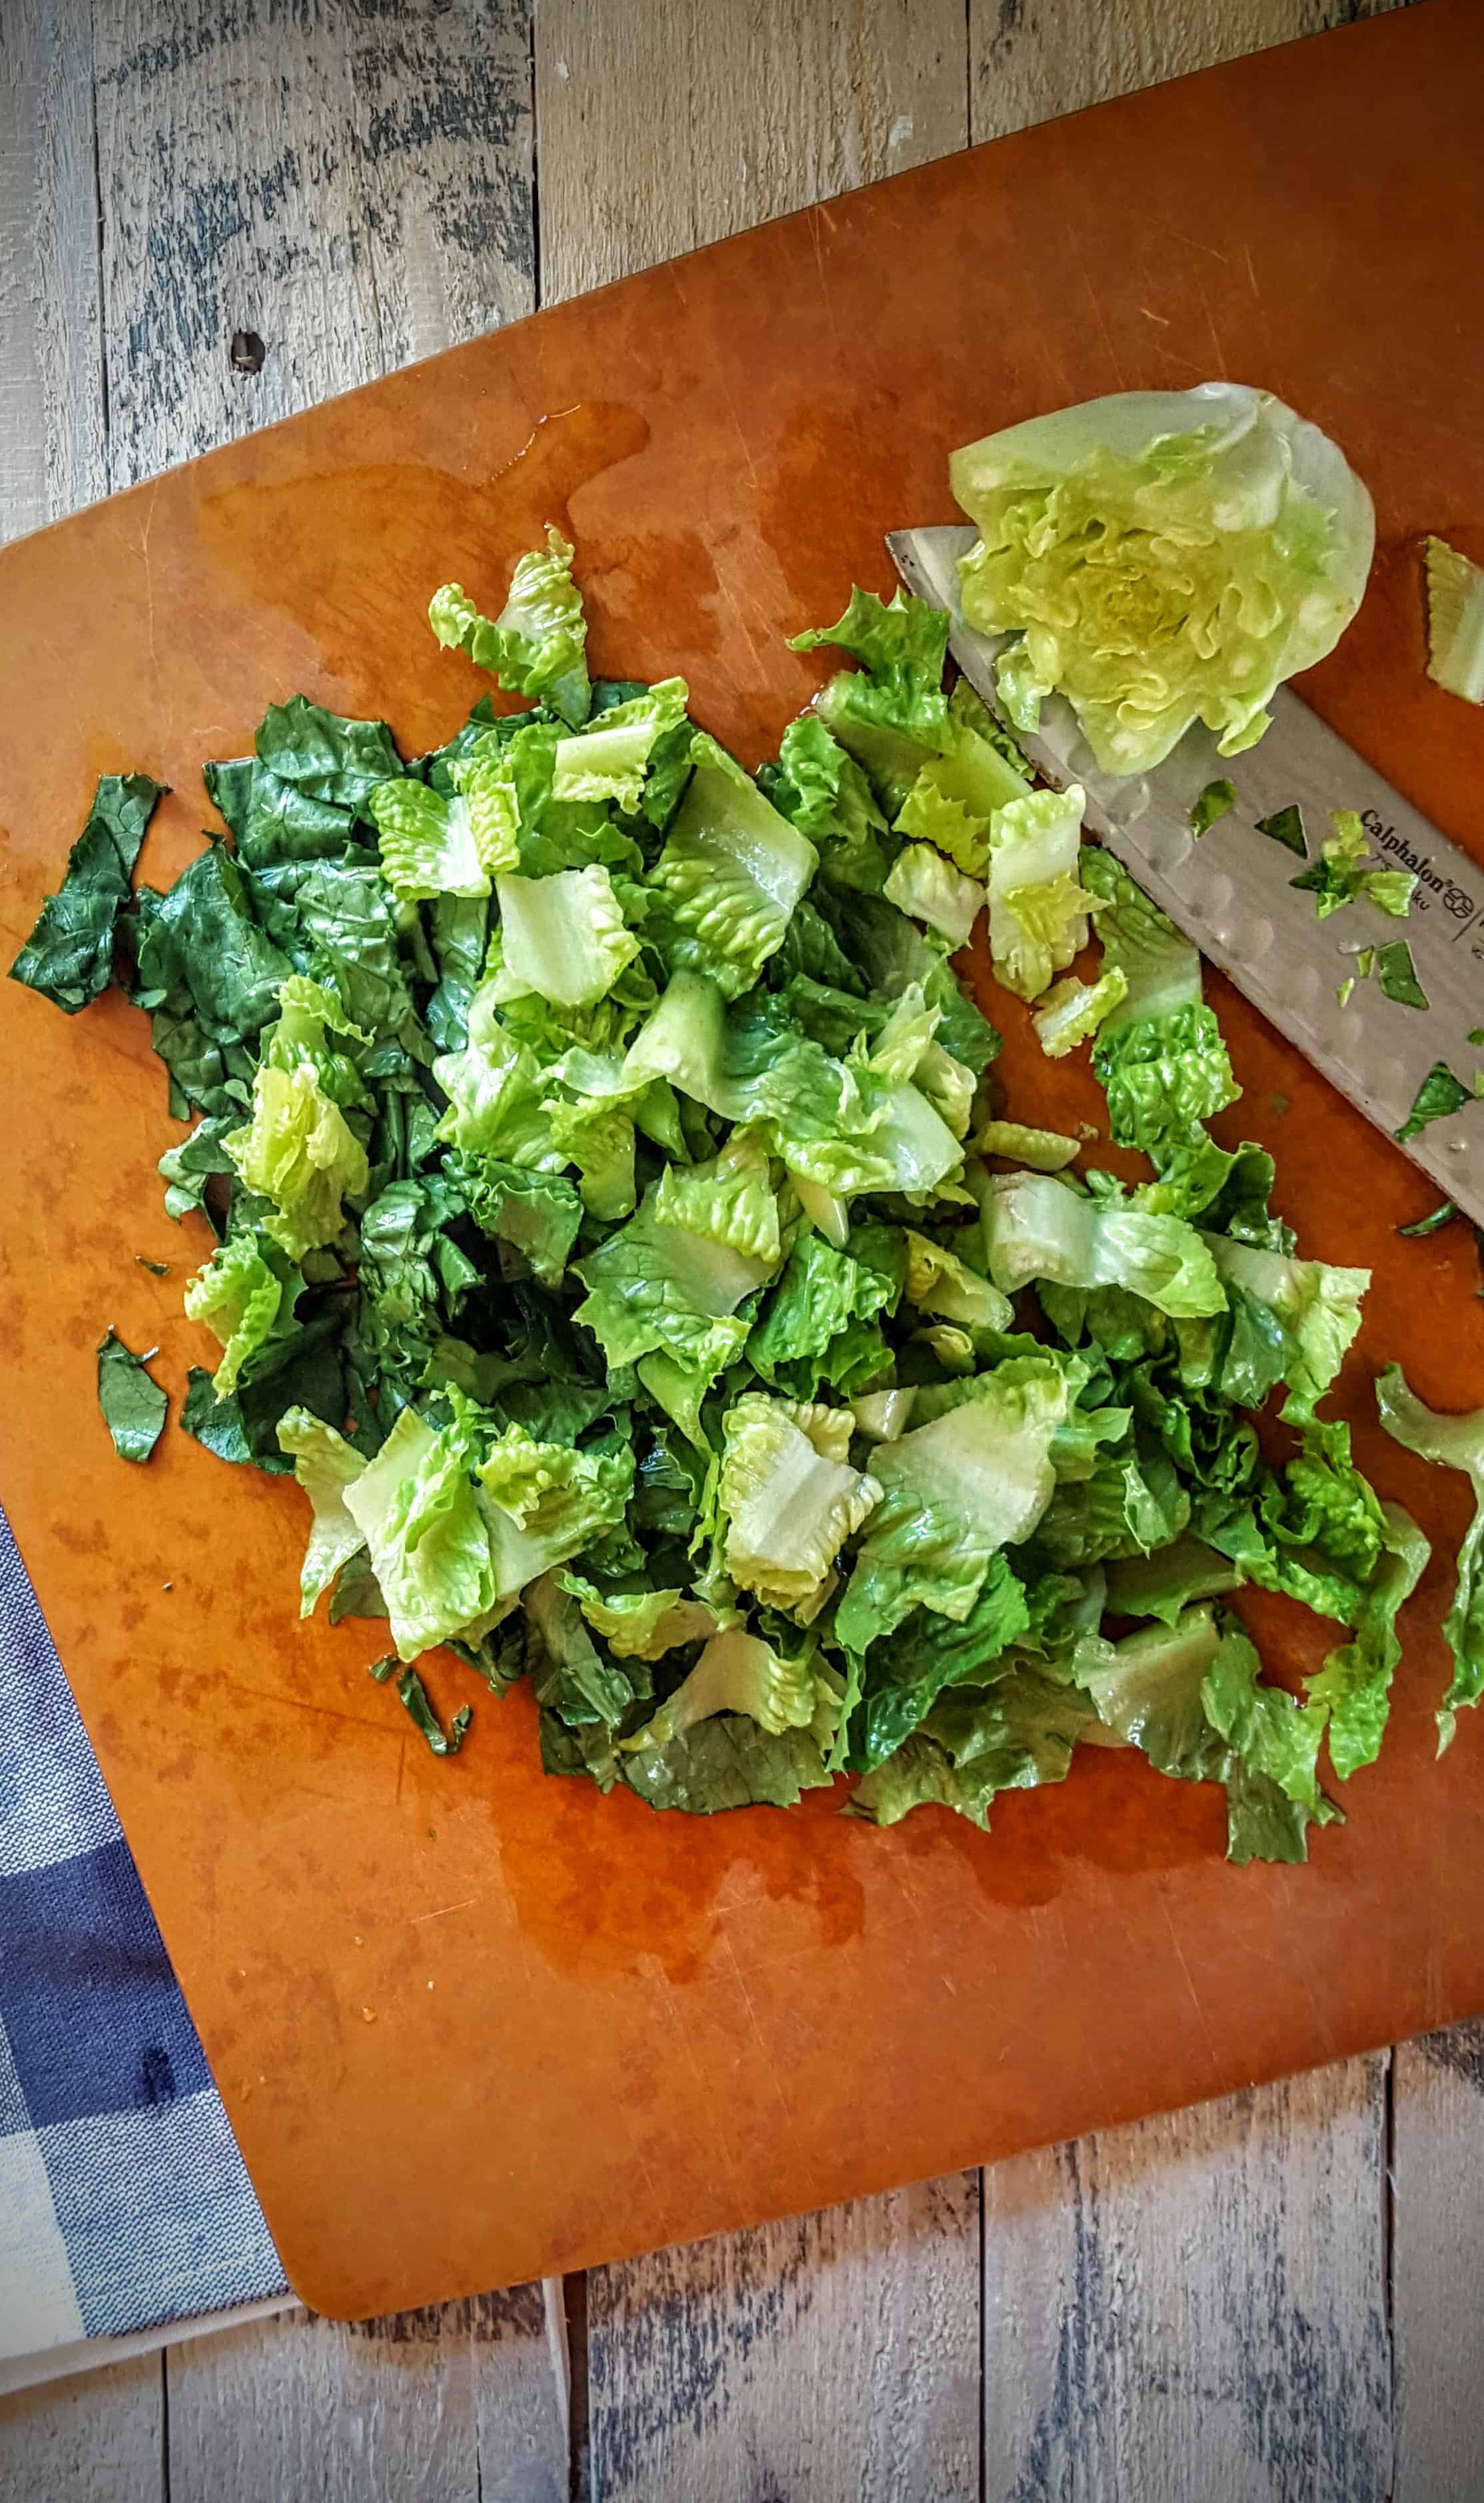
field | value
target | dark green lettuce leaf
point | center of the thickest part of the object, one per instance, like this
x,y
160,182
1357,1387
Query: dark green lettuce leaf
x,y
133,1404
906,1675
324,756
200,951
69,955
727,1762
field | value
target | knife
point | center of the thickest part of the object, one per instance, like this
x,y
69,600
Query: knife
x,y
1230,892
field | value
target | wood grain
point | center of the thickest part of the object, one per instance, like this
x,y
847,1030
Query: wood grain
x,y
741,109
827,2356
52,402
94,2438
335,198
1437,2229
1195,2311
447,2406
1031,60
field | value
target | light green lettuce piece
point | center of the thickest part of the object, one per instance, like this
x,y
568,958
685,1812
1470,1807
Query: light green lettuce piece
x,y
426,843
684,1042
736,1672
1036,1226
324,1464
1071,1011
658,1286
535,646
1043,1150
884,1416
564,937
730,1200
641,1625
928,888
1353,1686
975,1478
553,1490
238,1295
1038,913
787,1496
1164,557
949,1084
505,784
729,877
594,1112
494,1087
890,714
938,1281
1318,1308
1452,1443
609,759
298,1152
1190,1696
426,1533
953,799
1159,1051
1455,621
1160,968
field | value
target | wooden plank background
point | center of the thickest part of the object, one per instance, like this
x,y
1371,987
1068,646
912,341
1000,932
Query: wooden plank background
x,y
213,212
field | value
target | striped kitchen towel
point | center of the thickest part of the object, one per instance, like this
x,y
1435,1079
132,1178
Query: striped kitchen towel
x,y
123,2200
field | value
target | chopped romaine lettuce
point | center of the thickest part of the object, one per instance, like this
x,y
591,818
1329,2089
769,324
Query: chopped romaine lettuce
x,y
1455,621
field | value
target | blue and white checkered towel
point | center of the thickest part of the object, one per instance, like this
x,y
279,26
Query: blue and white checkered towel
x,y
123,2201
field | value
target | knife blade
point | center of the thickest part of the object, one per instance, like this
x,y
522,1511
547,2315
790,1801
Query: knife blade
x,y
1229,890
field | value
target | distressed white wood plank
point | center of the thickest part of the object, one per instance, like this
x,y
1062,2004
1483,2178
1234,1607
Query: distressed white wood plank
x,y
445,132
1193,2310
51,441
386,2408
94,2438
663,129
1033,59
828,2356
522,2395
1437,2234
348,185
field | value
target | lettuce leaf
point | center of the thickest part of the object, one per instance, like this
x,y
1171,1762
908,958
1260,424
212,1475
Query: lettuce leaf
x,y
536,645
923,884
788,1498
239,1294
69,955
426,843
1038,913
564,937
133,1404
324,1464
1037,1227
658,1286
1451,1443
976,1477
729,877
426,1537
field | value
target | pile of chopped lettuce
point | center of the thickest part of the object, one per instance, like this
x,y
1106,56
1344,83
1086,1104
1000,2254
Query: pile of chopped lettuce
x,y
619,1239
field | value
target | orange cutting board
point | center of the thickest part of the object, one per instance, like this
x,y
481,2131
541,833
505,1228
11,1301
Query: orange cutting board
x,y
472,2025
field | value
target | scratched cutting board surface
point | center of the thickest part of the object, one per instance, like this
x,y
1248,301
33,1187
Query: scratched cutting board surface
x,y
472,2025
